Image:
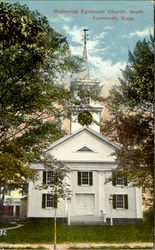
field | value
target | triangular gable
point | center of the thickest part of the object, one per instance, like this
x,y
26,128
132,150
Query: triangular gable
x,y
68,137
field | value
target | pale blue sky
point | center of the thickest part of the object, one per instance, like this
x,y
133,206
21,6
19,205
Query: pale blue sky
x,y
109,40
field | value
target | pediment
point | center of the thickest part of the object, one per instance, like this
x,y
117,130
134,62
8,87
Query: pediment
x,y
76,136
83,145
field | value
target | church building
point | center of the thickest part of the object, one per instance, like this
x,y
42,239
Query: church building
x,y
89,156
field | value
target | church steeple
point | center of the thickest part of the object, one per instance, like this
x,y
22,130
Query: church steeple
x,y
83,81
84,73
83,78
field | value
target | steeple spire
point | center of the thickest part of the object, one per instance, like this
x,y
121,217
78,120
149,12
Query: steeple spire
x,y
85,38
84,73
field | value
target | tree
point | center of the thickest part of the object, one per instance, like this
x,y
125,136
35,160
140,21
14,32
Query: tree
x,y
34,58
58,187
131,107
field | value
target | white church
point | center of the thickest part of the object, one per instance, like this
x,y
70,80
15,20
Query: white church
x,y
89,156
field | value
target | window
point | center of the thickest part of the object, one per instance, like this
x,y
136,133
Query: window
x,y
85,178
49,201
119,181
47,177
120,201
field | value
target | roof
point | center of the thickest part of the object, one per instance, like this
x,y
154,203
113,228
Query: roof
x,y
85,128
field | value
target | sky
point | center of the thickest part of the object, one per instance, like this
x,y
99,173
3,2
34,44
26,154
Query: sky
x,y
114,29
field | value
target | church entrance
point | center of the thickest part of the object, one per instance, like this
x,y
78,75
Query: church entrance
x,y
85,204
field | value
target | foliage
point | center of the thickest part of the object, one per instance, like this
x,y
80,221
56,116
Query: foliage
x,y
136,85
85,118
34,58
131,107
59,186
42,231
33,55
149,216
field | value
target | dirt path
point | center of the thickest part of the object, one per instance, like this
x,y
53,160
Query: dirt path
x,y
79,245
10,228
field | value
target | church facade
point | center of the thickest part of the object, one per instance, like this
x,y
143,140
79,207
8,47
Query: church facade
x,y
89,156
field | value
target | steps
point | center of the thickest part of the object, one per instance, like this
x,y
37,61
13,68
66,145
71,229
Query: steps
x,y
87,220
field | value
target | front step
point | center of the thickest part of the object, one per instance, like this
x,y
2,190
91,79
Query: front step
x,y
87,220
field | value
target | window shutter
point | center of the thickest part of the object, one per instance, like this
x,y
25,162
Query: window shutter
x,y
55,201
114,180
44,177
125,180
90,178
126,201
114,201
43,200
79,178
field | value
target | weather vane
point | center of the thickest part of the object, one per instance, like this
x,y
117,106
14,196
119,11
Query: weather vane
x,y
85,36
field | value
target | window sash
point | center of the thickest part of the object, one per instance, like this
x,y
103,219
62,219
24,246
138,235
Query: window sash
x,y
49,200
119,181
49,177
85,178
119,201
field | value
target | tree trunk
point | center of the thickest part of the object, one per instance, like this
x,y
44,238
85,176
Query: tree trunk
x,y
55,229
2,196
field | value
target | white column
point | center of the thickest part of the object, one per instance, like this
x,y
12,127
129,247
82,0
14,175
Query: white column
x,y
111,221
14,211
138,201
68,211
101,194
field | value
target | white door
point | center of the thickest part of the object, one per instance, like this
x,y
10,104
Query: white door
x,y
85,204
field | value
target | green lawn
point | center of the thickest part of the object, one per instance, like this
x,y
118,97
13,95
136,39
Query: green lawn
x,y
7,224
41,231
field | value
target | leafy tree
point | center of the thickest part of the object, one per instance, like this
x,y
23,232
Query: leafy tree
x,y
59,187
34,58
131,107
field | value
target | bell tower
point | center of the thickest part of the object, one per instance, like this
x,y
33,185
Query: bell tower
x,y
86,116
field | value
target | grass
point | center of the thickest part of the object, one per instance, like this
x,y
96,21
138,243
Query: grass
x,y
41,231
